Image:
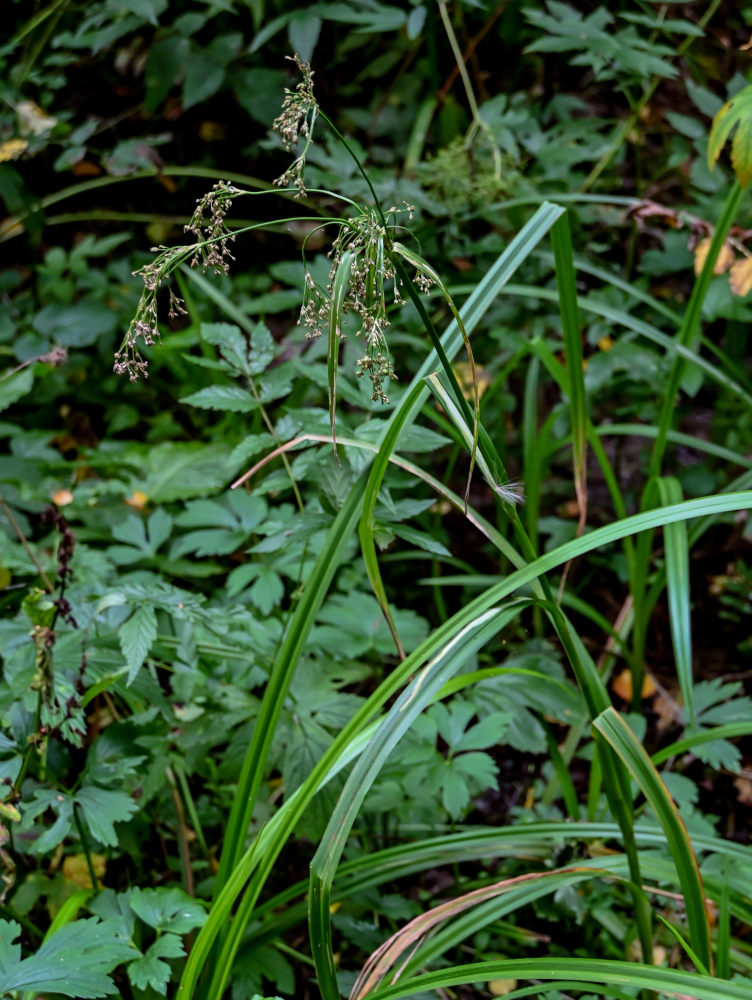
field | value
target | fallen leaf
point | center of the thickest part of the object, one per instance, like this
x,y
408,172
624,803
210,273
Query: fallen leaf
x,y
32,120
743,788
724,261
85,168
622,685
11,149
740,277
76,869
500,987
211,131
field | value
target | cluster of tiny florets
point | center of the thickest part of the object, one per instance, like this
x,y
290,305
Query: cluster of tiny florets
x,y
296,120
209,251
370,271
208,226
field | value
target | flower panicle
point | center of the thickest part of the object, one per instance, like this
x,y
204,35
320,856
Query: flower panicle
x,y
209,251
371,270
296,121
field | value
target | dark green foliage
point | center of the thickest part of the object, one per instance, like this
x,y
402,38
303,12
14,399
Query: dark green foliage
x,y
211,680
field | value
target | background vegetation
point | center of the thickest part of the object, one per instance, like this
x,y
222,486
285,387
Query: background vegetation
x,y
508,740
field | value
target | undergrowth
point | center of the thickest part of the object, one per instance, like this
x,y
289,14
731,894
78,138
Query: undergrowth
x,y
303,691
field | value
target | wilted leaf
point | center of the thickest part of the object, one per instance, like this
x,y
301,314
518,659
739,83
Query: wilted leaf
x,y
723,262
76,869
11,149
740,277
735,114
743,788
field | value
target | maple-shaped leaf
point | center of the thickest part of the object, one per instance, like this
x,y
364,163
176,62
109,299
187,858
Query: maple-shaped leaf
x,y
150,970
735,114
74,961
167,909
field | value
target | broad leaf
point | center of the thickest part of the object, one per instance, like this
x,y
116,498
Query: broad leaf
x,y
103,808
167,909
149,970
74,961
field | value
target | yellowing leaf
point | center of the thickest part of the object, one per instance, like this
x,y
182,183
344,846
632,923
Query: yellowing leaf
x,y
735,114
723,262
500,987
9,811
76,869
11,149
605,343
740,277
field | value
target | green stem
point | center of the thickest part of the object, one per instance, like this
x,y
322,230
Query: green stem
x,y
81,827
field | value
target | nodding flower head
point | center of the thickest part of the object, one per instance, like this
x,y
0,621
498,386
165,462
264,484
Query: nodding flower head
x,y
210,251
363,249
297,119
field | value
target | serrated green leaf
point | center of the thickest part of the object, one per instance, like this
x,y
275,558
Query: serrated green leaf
x,y
102,809
137,636
490,732
267,591
149,970
420,539
222,397
74,961
455,795
181,471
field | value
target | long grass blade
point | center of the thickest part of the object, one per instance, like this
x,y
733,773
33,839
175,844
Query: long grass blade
x,y
595,974
236,867
572,332
677,583
398,720
619,736
339,291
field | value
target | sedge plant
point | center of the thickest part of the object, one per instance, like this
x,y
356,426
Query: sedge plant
x,y
373,261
